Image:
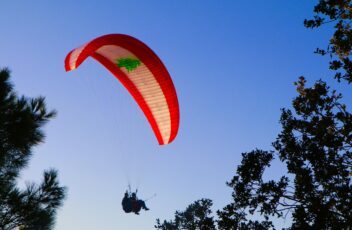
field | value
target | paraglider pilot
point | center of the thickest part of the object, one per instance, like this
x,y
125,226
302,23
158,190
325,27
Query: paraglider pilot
x,y
130,203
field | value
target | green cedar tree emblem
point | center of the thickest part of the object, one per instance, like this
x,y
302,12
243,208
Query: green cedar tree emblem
x,y
129,63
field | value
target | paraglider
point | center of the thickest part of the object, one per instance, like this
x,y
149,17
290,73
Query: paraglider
x,y
142,73
130,203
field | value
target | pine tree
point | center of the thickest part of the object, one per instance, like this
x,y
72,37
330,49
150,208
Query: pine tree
x,y
21,122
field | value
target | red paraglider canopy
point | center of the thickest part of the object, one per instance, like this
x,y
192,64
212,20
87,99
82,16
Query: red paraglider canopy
x,y
143,74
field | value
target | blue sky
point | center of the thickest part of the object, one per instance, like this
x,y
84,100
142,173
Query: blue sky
x,y
233,64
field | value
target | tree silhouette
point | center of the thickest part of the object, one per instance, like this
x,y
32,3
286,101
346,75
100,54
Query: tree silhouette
x,y
196,216
314,145
21,122
339,14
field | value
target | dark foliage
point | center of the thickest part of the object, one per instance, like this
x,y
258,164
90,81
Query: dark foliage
x,y
338,13
315,146
195,217
21,120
